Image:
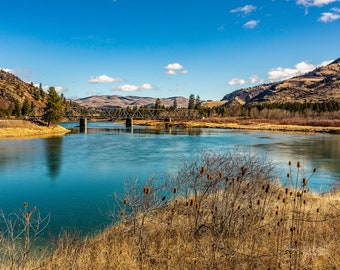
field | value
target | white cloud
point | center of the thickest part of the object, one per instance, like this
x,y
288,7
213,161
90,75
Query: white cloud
x,y
315,3
327,17
251,24
170,72
246,9
174,66
103,79
254,79
279,73
171,69
60,89
236,81
133,88
8,70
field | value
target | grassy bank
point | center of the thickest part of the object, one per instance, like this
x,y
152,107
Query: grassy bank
x,y
285,125
22,129
222,211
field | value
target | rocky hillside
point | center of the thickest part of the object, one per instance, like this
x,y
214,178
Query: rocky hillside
x,y
319,85
13,90
116,101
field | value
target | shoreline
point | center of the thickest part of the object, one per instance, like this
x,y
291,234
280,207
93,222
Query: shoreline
x,y
11,129
242,125
21,129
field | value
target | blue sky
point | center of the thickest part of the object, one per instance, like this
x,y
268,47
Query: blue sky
x,y
165,48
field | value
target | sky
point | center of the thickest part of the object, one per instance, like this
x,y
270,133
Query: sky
x,y
165,48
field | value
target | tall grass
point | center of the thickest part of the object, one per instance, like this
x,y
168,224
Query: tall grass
x,y
221,211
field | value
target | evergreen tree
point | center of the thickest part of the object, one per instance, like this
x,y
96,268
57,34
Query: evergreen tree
x,y
17,109
26,107
198,103
191,104
53,110
158,104
175,105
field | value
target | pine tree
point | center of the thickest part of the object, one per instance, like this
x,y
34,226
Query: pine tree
x,y
26,107
17,109
53,110
191,104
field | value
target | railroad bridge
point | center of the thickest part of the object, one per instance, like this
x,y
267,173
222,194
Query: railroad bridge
x,y
128,114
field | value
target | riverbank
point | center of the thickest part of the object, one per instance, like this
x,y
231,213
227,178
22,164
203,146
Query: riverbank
x,y
325,126
23,129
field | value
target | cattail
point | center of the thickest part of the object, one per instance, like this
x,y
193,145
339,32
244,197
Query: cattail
x,y
304,201
258,202
289,163
276,212
304,181
28,215
244,171
175,190
288,175
163,198
314,170
298,164
125,201
221,174
267,188
25,204
238,179
286,191
202,170
191,202
317,210
209,177
284,200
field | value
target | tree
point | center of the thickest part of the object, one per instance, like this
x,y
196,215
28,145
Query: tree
x,y
17,108
175,105
198,103
158,104
191,104
26,107
53,109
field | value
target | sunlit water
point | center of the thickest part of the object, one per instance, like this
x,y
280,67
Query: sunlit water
x,y
73,177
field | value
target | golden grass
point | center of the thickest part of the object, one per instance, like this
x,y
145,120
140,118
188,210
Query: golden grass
x,y
171,240
25,129
251,124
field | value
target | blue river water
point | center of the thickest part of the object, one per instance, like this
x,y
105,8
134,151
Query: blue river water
x,y
73,177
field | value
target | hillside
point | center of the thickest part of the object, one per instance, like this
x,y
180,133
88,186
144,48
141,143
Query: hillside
x,y
116,101
13,89
319,85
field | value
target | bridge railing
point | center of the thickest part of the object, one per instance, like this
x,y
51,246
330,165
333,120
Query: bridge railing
x,y
124,113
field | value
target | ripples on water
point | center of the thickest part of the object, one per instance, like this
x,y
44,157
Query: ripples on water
x,y
73,177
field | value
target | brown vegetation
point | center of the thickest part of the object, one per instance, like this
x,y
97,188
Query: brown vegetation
x,y
22,129
223,211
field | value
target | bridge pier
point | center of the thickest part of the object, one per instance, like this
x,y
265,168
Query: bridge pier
x,y
129,122
83,124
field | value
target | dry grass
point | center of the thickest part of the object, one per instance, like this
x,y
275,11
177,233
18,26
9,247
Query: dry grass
x,y
23,129
220,212
285,125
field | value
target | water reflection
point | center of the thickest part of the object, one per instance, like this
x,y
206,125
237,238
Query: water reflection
x,y
53,150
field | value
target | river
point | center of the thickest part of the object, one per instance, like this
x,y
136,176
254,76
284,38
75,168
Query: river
x,y
73,177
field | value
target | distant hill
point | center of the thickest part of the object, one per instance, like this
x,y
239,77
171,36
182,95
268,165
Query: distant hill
x,y
116,101
319,85
13,89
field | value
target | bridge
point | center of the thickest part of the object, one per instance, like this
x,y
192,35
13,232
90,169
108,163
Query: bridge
x,y
128,114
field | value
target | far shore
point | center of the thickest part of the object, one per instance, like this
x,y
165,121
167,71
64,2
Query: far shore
x,y
259,125
25,129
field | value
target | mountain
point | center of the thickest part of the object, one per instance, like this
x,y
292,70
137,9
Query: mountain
x,y
321,84
116,101
13,89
